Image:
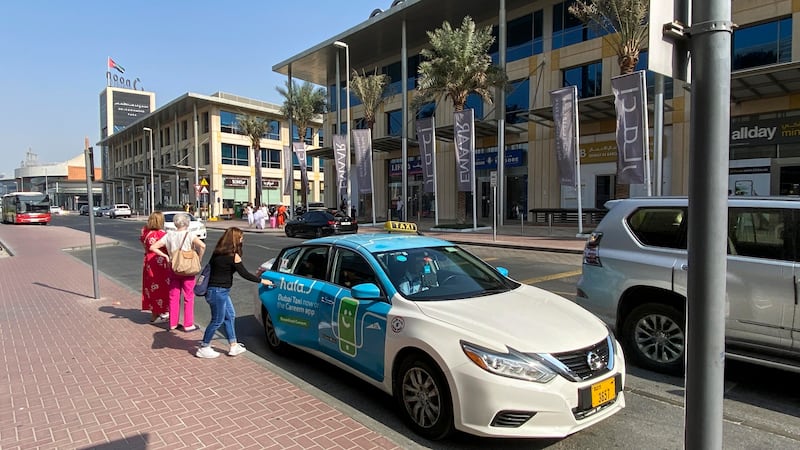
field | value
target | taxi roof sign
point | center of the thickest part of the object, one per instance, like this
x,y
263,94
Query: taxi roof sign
x,y
403,227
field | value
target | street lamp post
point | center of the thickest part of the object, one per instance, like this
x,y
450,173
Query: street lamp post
x,y
152,181
340,44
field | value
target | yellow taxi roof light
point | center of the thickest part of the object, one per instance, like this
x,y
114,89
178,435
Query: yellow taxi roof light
x,y
396,226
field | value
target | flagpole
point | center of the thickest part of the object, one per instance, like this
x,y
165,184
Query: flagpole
x,y
646,140
577,159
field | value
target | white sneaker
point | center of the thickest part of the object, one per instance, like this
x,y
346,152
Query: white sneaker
x,y
237,349
207,352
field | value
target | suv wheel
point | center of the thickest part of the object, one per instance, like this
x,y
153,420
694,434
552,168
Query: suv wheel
x,y
655,337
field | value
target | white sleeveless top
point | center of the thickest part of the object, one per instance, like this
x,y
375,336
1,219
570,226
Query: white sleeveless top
x,y
173,240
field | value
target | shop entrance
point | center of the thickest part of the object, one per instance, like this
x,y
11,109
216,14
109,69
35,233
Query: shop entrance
x,y
790,180
603,190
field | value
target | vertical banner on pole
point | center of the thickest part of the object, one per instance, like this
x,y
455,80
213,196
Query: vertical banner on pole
x,y
288,180
630,101
340,158
426,135
465,145
299,149
565,103
362,143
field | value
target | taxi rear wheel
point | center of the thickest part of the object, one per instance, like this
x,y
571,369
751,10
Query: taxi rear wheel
x,y
423,398
273,341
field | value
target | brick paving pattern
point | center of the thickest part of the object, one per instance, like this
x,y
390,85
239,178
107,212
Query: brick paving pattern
x,y
79,372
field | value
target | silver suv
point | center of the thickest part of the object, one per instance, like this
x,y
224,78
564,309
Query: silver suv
x,y
635,278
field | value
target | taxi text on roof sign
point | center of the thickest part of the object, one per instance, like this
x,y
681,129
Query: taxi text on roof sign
x,y
407,227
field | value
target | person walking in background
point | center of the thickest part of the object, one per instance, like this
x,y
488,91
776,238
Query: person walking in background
x,y
399,208
226,259
258,218
181,239
281,215
155,271
250,214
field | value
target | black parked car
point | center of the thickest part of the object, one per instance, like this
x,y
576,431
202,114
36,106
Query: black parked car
x,y
320,223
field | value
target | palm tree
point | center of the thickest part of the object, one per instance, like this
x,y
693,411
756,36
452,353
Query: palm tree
x,y
456,65
302,103
369,89
625,21
254,128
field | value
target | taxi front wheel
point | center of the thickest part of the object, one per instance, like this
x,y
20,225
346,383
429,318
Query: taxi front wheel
x,y
273,341
423,398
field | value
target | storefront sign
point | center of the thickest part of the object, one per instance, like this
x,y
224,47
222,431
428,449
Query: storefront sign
x,y
413,165
270,183
765,132
488,160
234,182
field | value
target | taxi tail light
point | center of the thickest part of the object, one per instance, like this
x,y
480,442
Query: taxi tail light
x,y
591,252
331,222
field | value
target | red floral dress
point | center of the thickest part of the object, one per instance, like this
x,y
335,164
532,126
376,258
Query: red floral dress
x,y
155,275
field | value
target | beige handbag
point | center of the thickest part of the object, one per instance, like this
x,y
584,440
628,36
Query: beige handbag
x,y
185,262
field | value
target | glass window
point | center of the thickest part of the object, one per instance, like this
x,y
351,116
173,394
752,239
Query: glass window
x,y
659,227
650,77
313,263
524,38
760,233
235,155
360,124
205,121
394,122
475,102
350,269
413,68
321,134
429,110
206,154
587,78
762,44
394,72
296,162
308,138
274,131
229,123
270,159
517,101
333,106
184,130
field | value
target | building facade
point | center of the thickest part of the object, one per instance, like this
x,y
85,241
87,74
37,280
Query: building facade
x,y
546,49
64,182
202,157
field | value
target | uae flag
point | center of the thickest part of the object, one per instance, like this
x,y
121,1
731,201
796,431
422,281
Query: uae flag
x,y
113,65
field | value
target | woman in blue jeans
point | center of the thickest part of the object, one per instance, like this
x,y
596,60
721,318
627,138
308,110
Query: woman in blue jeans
x,y
226,259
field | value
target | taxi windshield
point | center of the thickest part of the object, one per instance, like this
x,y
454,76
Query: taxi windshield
x,y
441,273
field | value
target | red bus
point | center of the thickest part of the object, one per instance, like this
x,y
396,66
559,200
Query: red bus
x,y
26,207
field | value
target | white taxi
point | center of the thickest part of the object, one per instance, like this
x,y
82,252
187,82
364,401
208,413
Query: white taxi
x,y
458,343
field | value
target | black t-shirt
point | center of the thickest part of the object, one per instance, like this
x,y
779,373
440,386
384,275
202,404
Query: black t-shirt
x,y
222,269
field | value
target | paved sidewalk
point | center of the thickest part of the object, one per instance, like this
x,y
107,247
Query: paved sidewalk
x,y
80,372
513,235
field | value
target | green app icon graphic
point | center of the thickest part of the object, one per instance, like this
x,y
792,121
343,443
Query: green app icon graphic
x,y
347,326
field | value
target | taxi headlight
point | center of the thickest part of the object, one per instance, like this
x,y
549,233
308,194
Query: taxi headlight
x,y
512,364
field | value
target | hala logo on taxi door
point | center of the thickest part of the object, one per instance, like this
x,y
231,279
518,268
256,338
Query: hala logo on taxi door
x,y
295,286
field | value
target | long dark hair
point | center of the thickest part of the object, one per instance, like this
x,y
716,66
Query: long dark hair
x,y
230,243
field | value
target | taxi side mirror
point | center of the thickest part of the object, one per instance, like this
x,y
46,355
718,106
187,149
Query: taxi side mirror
x,y
366,291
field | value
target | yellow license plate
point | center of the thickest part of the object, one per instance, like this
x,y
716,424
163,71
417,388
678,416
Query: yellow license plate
x,y
603,392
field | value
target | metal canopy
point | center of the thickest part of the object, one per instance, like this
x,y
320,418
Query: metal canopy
x,y
483,128
767,81
379,37
589,110
383,144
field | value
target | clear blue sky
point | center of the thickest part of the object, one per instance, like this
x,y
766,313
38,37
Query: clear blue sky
x,y
54,58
